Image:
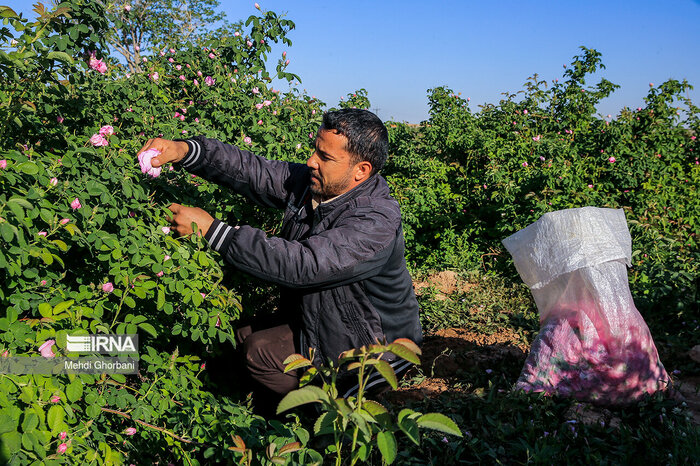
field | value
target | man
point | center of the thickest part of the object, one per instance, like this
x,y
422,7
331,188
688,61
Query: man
x,y
339,260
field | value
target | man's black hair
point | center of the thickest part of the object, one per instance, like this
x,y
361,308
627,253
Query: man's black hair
x,y
368,139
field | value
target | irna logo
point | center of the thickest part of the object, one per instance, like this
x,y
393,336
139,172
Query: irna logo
x,y
102,343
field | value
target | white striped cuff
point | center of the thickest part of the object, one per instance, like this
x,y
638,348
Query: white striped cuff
x,y
193,156
219,234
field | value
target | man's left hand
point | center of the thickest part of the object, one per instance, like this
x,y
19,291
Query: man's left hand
x,y
183,217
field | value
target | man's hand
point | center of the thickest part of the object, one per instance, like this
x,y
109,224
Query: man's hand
x,y
182,219
170,151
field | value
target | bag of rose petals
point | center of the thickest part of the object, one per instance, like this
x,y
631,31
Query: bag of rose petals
x,y
593,344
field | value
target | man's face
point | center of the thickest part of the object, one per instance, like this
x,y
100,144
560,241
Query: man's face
x,y
331,166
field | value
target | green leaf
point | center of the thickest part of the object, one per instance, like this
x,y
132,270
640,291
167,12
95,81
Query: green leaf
x,y
387,446
55,416
10,443
387,372
29,168
45,310
440,422
161,298
148,328
308,394
74,390
60,56
60,307
408,425
404,353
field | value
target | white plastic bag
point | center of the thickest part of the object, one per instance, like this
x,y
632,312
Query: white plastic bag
x,y
593,344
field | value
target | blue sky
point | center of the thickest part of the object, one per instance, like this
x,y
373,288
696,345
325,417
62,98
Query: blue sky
x,y
397,50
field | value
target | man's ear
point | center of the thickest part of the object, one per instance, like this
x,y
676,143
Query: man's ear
x,y
363,170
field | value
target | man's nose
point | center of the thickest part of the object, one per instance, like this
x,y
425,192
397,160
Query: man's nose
x,y
312,161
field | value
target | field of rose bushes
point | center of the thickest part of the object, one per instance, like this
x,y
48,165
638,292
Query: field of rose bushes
x,y
85,247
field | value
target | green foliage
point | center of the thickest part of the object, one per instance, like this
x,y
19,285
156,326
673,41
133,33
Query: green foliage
x,y
357,421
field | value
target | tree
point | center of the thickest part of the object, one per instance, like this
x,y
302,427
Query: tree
x,y
153,24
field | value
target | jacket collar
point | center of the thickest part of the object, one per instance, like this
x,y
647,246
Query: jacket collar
x,y
374,186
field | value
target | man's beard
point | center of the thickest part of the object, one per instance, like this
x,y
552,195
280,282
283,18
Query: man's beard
x,y
325,191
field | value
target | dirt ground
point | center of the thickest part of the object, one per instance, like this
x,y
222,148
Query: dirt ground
x,y
448,353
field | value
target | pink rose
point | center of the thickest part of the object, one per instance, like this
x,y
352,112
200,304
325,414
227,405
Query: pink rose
x,y
195,82
536,138
76,204
203,366
159,274
127,8
171,50
524,112
247,140
524,164
62,448
255,90
62,435
59,119
182,77
166,230
260,122
267,103
162,54
42,233
98,140
249,43
218,322
166,258
130,430
55,399
145,158
286,62
178,67
154,76
199,73
209,81
53,181
64,221
106,130
196,120
171,60
211,55
3,163
284,54
611,160
258,106
45,349
43,283
182,117
5,354
108,287
97,65
257,6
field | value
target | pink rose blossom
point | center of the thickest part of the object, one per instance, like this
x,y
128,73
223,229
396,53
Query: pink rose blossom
x,y
108,287
159,274
76,204
211,55
182,117
55,399
53,181
64,221
260,122
258,106
184,131
182,77
524,112
267,103
97,65
166,230
171,50
692,138
43,283
162,54
171,60
236,34
59,119
524,164
536,138
166,258
249,43
203,366
178,67
195,82
196,120
145,158
218,322
611,160
3,163
255,90
247,140
45,349
127,8
590,186
257,6
286,62
199,73
62,448
144,59
209,81
130,430
137,48
106,130
98,140
299,146
154,76
42,233
62,435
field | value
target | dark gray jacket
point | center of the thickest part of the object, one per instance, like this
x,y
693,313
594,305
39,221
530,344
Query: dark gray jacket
x,y
341,267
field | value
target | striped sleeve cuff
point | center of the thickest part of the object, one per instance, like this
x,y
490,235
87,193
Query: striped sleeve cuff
x,y
219,235
193,156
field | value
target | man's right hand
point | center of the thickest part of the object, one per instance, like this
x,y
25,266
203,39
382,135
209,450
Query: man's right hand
x,y
170,151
